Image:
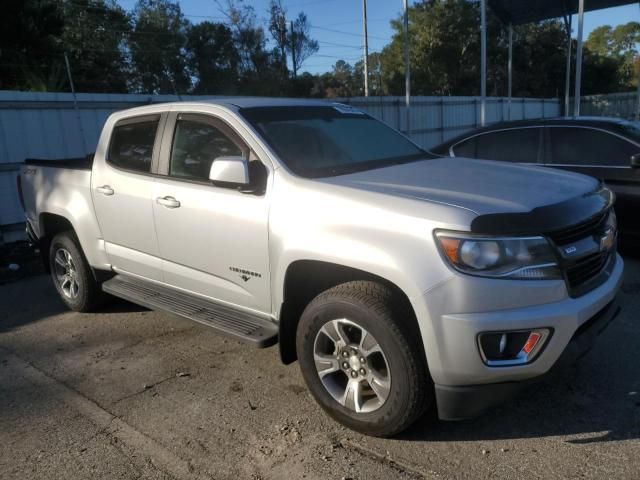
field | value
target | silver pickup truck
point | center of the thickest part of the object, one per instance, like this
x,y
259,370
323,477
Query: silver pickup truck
x,y
401,282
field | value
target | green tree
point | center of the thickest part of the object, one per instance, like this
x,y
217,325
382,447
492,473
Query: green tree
x,y
212,59
278,28
619,45
260,72
299,42
157,43
445,55
94,36
30,47
444,49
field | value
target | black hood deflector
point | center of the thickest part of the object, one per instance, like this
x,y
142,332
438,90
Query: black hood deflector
x,y
548,218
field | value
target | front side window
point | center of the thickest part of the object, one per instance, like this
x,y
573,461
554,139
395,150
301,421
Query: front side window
x,y
515,145
326,140
587,146
131,145
466,148
196,145
518,145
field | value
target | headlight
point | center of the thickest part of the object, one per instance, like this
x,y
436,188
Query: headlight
x,y
513,257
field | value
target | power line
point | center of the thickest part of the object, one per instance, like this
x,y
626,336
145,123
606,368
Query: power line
x,y
322,42
342,32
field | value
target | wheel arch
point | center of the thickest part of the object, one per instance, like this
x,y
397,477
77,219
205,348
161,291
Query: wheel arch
x,y
305,279
50,225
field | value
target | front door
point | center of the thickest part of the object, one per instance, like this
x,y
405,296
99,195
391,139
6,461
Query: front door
x,y
213,240
122,190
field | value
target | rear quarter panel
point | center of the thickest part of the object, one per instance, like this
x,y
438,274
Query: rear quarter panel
x,y
67,193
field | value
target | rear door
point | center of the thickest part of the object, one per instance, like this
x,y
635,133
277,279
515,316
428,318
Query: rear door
x,y
213,239
122,187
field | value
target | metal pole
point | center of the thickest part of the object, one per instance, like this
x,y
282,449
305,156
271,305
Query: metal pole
x,y
567,80
75,103
638,106
576,99
483,61
366,48
293,50
407,68
510,72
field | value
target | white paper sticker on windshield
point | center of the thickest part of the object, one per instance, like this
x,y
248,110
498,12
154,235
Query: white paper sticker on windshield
x,y
347,109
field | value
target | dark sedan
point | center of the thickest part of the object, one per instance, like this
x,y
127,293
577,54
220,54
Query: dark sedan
x,y
604,148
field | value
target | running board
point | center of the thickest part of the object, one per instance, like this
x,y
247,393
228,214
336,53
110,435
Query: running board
x,y
243,326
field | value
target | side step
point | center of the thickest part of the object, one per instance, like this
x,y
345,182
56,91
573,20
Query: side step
x,y
258,331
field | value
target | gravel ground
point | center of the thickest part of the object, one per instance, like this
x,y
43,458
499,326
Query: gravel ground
x,y
134,394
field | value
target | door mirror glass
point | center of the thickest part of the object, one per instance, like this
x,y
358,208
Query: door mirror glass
x,y
230,170
635,160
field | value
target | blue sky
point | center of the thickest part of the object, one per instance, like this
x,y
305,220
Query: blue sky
x,y
337,24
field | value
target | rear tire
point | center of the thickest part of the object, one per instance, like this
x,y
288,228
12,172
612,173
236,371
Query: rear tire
x,y
362,360
72,275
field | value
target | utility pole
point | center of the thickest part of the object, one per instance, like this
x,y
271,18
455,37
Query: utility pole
x,y
638,92
567,74
75,103
407,68
293,50
483,61
576,94
366,48
510,71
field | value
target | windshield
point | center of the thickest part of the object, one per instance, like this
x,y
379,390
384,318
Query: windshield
x,y
333,140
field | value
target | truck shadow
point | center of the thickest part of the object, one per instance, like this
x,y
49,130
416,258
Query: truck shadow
x,y
596,400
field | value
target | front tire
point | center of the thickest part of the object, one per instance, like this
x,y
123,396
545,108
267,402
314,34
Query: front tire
x,y
361,359
72,275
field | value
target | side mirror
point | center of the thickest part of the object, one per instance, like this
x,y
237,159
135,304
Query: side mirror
x,y
635,160
230,170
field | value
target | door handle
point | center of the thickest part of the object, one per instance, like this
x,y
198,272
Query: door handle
x,y
105,190
168,202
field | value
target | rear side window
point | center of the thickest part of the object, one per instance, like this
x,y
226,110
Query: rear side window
x,y
586,146
517,145
132,143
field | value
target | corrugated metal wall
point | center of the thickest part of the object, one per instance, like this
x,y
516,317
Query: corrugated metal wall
x,y
623,105
436,119
46,125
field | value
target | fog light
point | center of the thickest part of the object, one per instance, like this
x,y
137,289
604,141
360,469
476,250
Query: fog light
x,y
511,347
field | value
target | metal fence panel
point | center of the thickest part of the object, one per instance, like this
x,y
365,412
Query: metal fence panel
x,y
436,119
622,105
46,125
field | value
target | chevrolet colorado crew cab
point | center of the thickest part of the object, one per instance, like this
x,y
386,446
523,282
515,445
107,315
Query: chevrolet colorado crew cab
x,y
399,281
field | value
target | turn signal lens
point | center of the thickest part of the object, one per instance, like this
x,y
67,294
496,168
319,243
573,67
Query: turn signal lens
x,y
450,248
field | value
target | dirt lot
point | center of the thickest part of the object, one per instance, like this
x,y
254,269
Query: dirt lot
x,y
129,393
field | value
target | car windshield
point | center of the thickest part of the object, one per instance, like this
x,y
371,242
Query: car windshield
x,y
333,140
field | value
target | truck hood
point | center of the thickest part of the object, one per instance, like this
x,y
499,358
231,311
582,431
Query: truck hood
x,y
481,186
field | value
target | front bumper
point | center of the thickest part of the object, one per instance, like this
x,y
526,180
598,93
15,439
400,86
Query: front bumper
x,y
450,334
460,402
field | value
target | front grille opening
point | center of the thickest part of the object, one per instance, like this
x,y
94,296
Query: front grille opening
x,y
576,232
586,268
584,274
